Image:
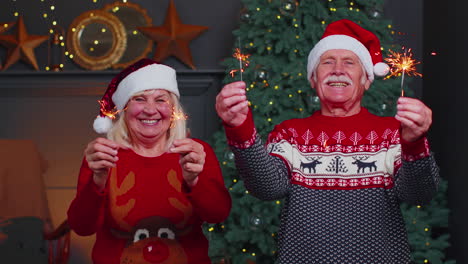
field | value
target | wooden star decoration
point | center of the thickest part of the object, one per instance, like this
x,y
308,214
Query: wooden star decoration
x,y
173,37
21,45
4,27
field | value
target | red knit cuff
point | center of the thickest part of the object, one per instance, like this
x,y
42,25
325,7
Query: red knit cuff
x,y
242,136
416,150
95,189
187,188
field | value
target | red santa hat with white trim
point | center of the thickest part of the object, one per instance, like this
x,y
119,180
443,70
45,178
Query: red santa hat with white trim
x,y
347,35
144,74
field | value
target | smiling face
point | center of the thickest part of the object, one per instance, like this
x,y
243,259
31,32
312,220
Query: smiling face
x,y
148,117
340,81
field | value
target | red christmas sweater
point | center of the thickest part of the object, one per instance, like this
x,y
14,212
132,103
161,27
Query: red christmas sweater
x,y
147,214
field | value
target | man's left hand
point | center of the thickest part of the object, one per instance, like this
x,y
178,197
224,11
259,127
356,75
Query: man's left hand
x,y
415,118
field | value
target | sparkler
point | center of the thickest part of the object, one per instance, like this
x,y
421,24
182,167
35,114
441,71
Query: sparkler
x,y
243,61
109,113
402,63
178,115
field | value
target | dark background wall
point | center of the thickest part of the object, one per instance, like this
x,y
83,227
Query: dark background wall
x,y
445,90
55,110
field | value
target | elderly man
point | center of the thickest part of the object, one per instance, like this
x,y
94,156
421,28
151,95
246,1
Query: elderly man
x,y
342,171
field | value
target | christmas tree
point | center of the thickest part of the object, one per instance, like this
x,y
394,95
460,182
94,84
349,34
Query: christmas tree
x,y
270,55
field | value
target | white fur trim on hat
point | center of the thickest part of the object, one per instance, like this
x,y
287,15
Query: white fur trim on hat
x,y
340,42
102,125
153,76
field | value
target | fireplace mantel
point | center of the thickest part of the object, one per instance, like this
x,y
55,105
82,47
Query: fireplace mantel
x,y
91,83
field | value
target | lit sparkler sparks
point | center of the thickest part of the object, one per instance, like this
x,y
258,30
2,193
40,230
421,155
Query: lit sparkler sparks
x,y
402,63
109,113
179,115
176,116
243,62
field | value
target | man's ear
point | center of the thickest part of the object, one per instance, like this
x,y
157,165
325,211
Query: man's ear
x,y
312,81
367,84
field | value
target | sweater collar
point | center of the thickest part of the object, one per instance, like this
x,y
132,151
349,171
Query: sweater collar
x,y
363,113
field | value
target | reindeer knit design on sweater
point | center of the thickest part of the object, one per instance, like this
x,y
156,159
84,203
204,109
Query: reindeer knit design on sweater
x,y
147,214
342,180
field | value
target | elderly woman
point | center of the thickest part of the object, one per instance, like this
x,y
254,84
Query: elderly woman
x,y
146,189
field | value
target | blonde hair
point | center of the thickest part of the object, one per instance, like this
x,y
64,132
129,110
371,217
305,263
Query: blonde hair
x,y
177,130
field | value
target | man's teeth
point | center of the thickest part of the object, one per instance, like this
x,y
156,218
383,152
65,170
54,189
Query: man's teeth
x,y
339,84
149,121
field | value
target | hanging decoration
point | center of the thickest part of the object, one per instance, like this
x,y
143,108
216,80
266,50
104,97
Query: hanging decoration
x,y
173,37
96,40
288,7
244,15
261,74
56,50
56,45
21,46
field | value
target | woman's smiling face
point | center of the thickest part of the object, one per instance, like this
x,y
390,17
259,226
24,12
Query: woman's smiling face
x,y
148,116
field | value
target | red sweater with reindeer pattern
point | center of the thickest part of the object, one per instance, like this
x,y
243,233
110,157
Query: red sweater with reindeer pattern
x,y
147,214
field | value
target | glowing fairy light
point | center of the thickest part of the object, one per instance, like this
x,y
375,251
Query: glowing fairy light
x,y
243,61
402,63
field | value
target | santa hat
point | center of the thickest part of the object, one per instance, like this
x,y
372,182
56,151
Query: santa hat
x,y
345,34
144,74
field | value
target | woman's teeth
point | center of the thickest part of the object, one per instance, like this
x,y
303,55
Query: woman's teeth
x,y
149,122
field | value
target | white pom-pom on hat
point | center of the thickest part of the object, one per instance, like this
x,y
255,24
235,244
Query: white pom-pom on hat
x,y
381,69
102,125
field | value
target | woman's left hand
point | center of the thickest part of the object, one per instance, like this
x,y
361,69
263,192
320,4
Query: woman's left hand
x,y
192,158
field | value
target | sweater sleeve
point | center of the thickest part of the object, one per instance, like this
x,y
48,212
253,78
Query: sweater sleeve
x,y
417,179
86,211
265,176
209,197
